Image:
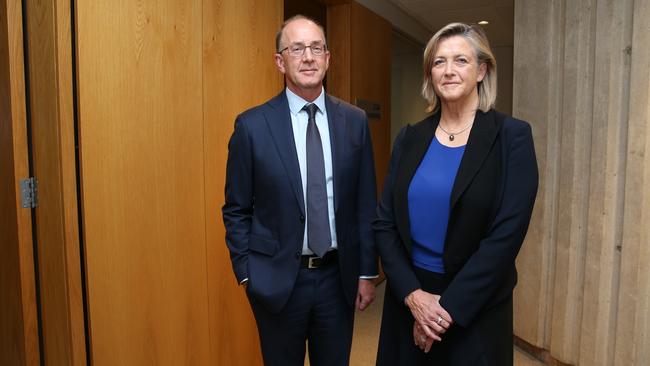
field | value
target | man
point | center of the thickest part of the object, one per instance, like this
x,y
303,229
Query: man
x,y
300,198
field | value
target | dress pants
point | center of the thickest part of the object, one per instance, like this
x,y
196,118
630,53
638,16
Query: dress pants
x,y
316,315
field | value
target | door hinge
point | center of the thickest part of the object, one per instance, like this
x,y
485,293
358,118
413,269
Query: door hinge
x,y
29,192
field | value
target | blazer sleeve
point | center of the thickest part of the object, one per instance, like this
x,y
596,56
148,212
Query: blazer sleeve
x,y
484,272
366,204
394,258
238,208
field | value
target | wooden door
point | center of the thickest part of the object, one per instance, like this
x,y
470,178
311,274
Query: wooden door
x,y
18,311
50,104
159,86
142,169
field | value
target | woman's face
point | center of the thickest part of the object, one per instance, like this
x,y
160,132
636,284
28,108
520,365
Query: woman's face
x,y
455,72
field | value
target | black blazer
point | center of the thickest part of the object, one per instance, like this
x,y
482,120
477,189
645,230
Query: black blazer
x,y
264,210
491,204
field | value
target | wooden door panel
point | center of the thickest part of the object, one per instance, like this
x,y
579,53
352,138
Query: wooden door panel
x,y
53,160
142,177
239,72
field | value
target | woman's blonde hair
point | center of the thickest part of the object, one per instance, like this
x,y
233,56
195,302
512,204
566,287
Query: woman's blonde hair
x,y
475,36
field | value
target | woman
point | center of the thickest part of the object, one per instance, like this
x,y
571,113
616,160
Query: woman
x,y
453,214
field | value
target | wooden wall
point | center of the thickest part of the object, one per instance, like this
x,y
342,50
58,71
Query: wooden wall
x,y
159,86
156,86
238,73
360,43
582,78
18,311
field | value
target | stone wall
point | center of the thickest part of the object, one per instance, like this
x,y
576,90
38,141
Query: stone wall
x,y
582,79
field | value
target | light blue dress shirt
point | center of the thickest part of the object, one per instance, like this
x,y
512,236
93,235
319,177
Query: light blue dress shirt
x,y
299,120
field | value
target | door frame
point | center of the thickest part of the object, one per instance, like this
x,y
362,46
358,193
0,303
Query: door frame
x,y
51,110
19,339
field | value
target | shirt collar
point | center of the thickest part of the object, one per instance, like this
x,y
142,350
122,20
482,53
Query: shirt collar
x,y
296,103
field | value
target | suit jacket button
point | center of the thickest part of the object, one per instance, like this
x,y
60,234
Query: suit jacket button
x,y
302,218
298,254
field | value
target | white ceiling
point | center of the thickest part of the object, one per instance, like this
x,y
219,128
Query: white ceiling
x,y
432,15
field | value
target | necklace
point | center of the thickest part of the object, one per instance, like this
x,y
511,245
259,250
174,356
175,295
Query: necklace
x,y
452,135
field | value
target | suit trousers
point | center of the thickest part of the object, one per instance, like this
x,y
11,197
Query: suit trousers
x,y
316,315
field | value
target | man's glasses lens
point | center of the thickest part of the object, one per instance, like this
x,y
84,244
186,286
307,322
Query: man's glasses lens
x,y
299,49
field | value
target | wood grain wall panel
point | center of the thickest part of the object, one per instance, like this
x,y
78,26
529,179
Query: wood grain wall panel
x,y
360,69
339,43
370,57
18,314
69,187
607,181
238,73
633,313
53,156
139,70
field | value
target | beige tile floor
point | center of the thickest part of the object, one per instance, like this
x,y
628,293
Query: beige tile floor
x,y
366,331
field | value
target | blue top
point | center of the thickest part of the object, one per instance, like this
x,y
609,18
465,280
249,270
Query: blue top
x,y
429,198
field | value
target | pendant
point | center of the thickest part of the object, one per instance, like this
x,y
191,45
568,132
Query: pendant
x,y
451,137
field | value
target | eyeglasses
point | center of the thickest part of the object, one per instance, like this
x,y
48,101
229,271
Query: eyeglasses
x,y
298,49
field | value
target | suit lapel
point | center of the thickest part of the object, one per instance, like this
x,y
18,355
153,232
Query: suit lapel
x,y
415,145
336,123
279,123
481,139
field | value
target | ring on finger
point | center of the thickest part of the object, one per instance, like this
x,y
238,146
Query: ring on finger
x,y
439,320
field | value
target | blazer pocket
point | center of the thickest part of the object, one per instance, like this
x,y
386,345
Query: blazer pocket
x,y
262,244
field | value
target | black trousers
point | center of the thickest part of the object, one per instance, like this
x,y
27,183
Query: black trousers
x,y
487,341
316,315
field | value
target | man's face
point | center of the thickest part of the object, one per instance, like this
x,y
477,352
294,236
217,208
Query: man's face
x,y
304,74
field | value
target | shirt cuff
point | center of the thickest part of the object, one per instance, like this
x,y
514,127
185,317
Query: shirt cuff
x,y
371,277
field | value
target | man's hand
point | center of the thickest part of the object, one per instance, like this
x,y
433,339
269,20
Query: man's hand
x,y
433,319
365,294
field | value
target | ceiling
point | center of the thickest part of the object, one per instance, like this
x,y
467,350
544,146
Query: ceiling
x,y
431,15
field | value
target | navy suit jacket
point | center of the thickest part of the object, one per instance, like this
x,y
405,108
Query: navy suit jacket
x,y
491,204
264,210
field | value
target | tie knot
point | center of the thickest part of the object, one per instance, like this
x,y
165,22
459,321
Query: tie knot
x,y
311,109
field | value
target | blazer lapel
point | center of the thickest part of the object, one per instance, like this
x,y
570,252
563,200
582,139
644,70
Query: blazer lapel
x,y
415,145
481,139
336,123
279,123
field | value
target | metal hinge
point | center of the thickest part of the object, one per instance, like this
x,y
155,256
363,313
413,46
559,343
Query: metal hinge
x,y
29,192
